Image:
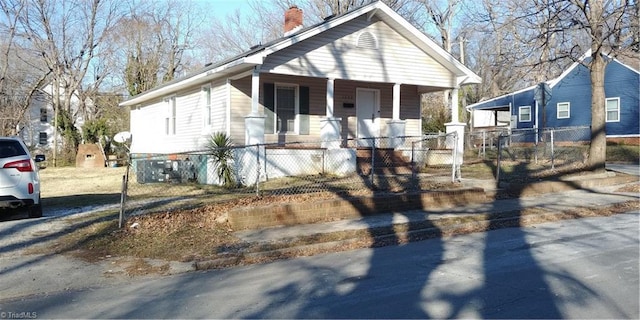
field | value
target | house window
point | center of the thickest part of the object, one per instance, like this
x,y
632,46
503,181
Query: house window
x,y
524,114
42,138
170,119
613,110
43,115
206,106
563,110
367,40
285,108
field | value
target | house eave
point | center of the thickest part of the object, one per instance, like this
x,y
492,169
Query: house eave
x,y
227,69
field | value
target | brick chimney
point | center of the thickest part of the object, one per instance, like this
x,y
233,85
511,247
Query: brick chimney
x,y
292,20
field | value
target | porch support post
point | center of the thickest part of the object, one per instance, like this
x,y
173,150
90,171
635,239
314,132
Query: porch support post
x,y
396,101
330,90
455,126
330,126
253,162
395,126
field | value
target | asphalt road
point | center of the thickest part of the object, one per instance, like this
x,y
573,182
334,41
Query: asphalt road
x,y
586,268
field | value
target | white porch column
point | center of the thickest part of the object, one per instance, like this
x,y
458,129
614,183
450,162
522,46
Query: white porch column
x,y
455,126
330,126
253,161
255,90
396,101
330,95
395,126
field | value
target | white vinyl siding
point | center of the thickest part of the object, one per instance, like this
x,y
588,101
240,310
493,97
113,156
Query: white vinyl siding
x,y
612,110
564,110
219,107
334,54
524,114
240,107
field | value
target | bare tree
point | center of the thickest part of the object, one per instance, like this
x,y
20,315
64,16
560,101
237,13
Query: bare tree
x,y
20,74
156,38
67,35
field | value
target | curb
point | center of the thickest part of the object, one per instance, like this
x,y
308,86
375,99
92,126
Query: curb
x,y
402,233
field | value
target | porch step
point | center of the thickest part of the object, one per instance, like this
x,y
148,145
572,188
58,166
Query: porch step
x,y
385,161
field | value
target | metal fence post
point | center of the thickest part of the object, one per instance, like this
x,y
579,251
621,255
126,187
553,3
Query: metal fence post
x,y
258,168
498,159
413,160
552,151
484,145
373,162
454,166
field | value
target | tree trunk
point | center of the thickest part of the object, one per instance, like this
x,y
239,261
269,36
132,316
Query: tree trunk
x,y
598,149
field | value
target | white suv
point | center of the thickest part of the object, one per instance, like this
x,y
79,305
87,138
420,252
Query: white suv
x,y
19,178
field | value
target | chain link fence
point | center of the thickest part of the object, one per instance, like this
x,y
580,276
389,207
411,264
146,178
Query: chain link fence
x,y
483,144
165,182
541,151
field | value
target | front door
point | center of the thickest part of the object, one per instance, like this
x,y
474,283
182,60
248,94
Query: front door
x,y
368,115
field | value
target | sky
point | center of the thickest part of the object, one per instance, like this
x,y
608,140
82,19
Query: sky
x,y
221,8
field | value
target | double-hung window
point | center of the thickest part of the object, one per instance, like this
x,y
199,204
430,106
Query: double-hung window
x,y
612,110
44,117
170,118
286,108
524,114
564,111
42,138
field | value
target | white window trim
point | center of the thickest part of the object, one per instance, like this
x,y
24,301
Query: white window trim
x,y
606,112
170,116
207,120
296,121
520,113
568,104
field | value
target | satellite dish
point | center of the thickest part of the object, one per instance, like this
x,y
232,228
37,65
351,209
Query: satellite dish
x,y
122,137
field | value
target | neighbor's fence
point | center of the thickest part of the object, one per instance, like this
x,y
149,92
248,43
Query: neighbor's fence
x,y
165,182
525,151
483,144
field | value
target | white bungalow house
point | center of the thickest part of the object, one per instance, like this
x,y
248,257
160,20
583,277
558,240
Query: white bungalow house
x,y
352,76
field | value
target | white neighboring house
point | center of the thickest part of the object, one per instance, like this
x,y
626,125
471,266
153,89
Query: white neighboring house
x,y
37,126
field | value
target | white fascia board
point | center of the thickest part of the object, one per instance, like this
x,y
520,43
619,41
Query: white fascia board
x,y
193,80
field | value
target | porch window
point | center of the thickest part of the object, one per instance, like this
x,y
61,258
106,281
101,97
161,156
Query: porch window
x,y
206,106
286,108
613,110
563,111
524,114
170,118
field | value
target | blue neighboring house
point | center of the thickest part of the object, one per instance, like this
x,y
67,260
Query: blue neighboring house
x,y
570,103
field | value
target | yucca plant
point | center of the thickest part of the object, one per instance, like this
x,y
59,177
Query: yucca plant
x,y
220,147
